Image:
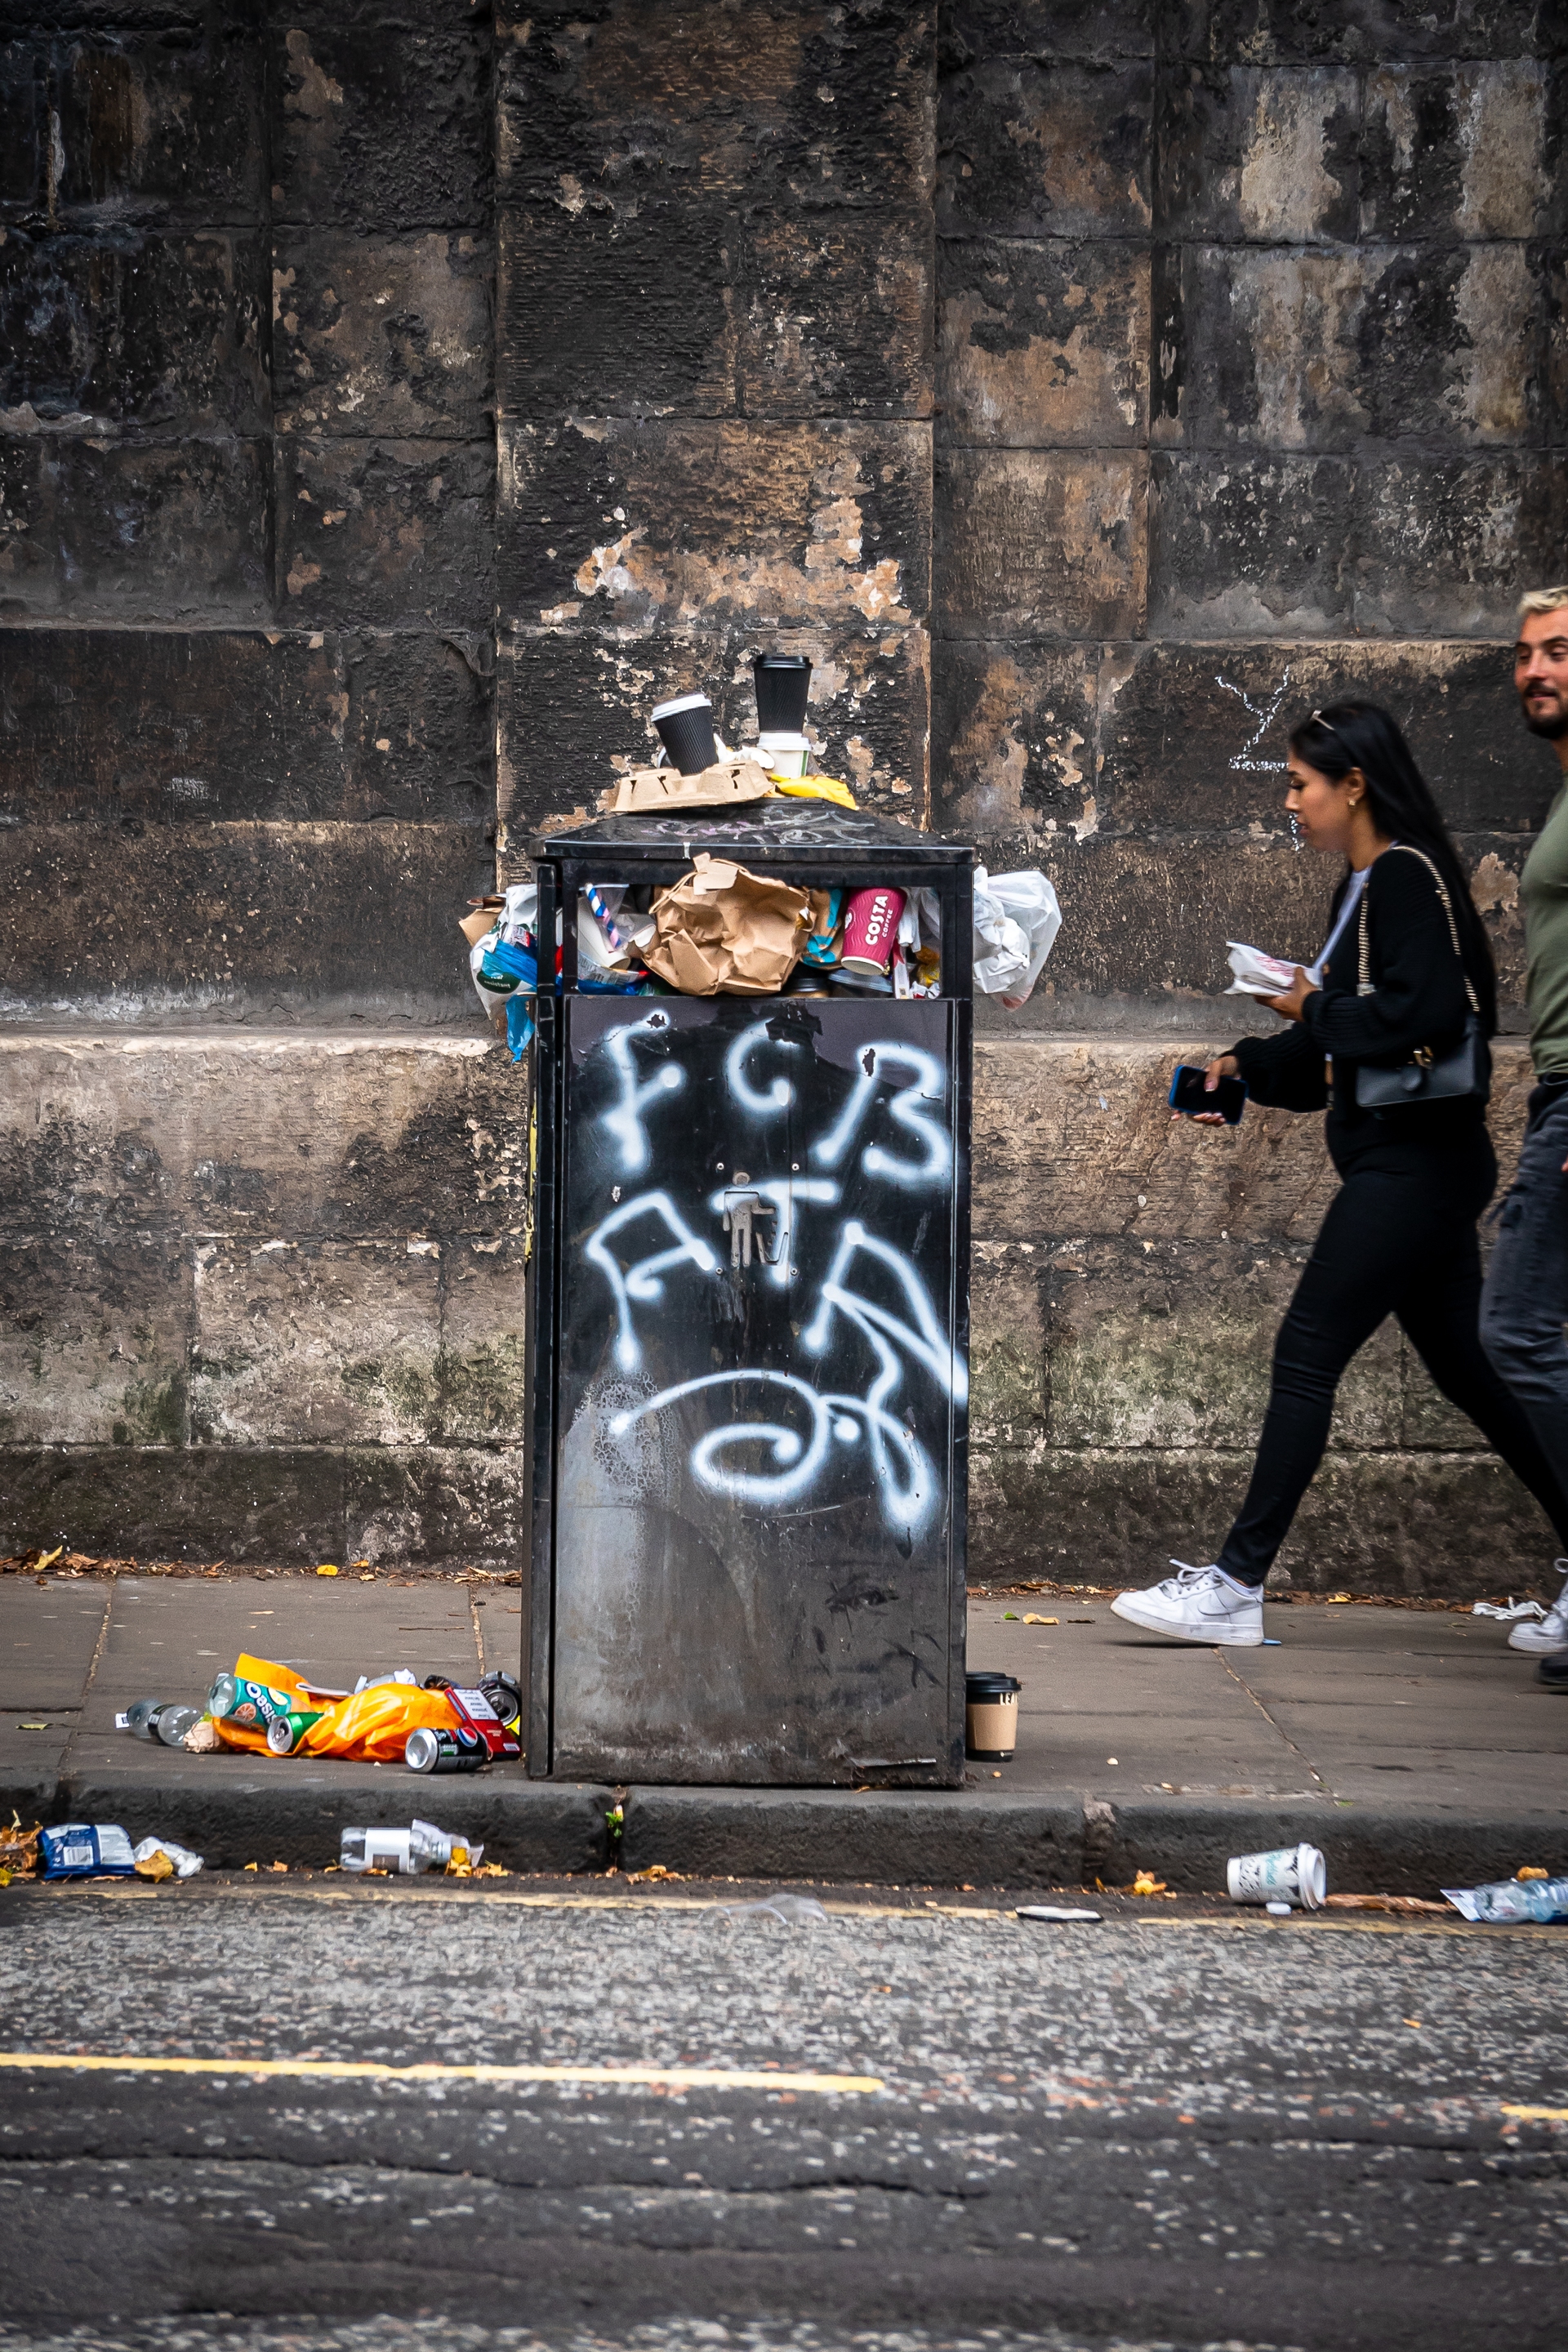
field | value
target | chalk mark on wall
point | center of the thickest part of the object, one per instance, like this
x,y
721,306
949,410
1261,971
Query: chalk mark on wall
x,y
1243,758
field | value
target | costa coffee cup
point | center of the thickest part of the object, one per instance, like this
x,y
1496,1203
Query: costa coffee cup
x,y
871,927
991,1716
1296,1874
783,687
686,730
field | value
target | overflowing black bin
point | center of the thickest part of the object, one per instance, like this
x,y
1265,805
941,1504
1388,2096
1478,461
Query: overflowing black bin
x,y
748,1338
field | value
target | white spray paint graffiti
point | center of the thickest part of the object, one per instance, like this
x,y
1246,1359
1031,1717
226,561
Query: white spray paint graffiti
x,y
625,1122
907,1499
930,1085
779,1094
640,1279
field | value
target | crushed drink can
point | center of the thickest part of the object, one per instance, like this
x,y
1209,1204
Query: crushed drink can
x,y
252,1702
445,1751
285,1731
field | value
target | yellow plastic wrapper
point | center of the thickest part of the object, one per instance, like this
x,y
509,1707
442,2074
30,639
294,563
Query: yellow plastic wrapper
x,y
373,1727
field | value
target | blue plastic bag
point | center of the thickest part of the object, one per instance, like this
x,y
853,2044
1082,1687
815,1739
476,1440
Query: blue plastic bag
x,y
86,1850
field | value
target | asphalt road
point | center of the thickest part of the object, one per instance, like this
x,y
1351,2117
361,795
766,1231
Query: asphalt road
x,y
1170,2129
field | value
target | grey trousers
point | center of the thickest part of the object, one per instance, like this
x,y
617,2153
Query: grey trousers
x,y
1525,1303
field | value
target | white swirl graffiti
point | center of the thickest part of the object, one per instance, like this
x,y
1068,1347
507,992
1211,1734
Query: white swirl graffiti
x,y
625,1122
930,1085
640,1279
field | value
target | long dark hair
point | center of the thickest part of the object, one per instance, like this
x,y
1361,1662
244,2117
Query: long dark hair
x,y
1346,735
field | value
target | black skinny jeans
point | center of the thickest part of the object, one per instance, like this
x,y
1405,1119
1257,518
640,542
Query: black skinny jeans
x,y
1399,1239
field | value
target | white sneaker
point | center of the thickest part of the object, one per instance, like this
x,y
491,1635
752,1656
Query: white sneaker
x,y
1198,1604
1538,1635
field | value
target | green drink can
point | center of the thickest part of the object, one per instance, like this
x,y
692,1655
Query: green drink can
x,y
285,1732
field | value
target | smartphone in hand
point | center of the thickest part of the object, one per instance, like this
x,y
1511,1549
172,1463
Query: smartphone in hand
x,y
1189,1094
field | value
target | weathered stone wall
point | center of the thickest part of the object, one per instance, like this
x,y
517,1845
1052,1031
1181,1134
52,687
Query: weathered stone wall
x,y
396,401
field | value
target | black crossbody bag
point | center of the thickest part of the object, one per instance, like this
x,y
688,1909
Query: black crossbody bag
x,y
1464,1069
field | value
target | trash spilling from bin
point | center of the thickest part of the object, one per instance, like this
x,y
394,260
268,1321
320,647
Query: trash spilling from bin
x,y
269,1709
722,931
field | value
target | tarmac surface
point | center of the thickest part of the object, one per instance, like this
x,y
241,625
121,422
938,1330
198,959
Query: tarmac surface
x,y
1411,1744
909,2124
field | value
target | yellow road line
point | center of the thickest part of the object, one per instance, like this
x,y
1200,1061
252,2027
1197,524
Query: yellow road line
x,y
1391,1925
716,2078
1538,2115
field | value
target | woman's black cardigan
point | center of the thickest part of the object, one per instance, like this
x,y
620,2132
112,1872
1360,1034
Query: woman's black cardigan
x,y
1418,999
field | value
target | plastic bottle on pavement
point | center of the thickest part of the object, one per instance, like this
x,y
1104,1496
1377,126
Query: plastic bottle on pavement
x,y
142,1718
1542,1899
173,1722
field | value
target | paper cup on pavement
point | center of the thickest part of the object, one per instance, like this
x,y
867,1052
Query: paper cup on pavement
x,y
991,1716
1296,1874
871,929
686,730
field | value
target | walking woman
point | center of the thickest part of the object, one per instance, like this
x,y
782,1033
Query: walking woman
x,y
1389,1032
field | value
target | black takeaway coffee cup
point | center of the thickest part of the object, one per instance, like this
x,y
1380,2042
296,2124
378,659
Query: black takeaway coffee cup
x,y
783,686
686,730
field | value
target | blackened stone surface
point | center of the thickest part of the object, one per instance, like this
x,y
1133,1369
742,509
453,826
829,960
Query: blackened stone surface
x,y
93,1339
972,30
390,533
135,530
799,108
1238,546
574,705
1258,154
382,334
1033,150
135,329
1046,542
1362,31
381,119
1018,722
650,527
1461,149
159,113
1443,544
179,727
1043,344
235,921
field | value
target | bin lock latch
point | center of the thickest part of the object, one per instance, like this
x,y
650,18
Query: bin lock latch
x,y
742,1204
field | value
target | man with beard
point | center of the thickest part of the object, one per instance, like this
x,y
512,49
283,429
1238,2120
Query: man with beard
x,y
1526,1300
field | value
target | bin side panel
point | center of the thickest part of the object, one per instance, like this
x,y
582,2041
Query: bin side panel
x,y
759,1388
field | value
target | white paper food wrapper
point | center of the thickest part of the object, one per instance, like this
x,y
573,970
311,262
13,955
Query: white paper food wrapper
x,y
1016,918
1258,974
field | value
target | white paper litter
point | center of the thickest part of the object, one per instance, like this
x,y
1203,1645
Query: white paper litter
x,y
1052,1911
1016,918
1257,974
1515,1611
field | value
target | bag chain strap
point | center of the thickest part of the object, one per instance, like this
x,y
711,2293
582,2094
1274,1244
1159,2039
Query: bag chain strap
x,y
1365,986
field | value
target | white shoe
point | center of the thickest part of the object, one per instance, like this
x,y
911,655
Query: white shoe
x,y
1538,1635
1198,1604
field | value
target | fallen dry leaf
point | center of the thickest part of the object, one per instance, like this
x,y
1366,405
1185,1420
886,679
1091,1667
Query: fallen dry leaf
x,y
157,1865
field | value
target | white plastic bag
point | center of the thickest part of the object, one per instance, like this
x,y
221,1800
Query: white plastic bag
x,y
1016,918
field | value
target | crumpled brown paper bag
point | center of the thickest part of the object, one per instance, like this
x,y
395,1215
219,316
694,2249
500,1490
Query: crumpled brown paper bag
x,y
737,779
721,931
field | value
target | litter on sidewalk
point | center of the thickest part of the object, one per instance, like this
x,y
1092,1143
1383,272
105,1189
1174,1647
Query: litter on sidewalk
x,y
1512,1899
408,1854
161,1858
1295,1876
1058,1913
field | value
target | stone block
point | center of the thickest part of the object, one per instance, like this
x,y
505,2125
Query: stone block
x,y
154,128
388,532
650,527
1041,542
1195,737
387,335
973,30
348,1134
1045,149
1250,546
1552,266
1258,154
125,923
1460,149
23,109
790,108
1043,344
1442,543
612,307
134,329
172,1503
1374,1522
586,696
381,122
482,1387
301,1343
131,530
94,1338
833,313
457,1505
1013,730
175,727
1170,1344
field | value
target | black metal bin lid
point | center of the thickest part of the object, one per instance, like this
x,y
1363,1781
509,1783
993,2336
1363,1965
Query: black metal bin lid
x,y
812,831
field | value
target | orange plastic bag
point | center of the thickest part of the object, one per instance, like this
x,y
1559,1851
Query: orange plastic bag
x,y
373,1727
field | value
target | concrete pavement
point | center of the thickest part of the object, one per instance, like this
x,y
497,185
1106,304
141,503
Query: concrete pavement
x,y
1413,1746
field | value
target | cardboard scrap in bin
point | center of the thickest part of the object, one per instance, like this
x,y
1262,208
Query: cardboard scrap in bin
x,y
727,783
722,931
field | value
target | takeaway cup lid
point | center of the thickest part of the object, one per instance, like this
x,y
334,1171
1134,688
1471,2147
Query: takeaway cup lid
x,y
681,702
984,1685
